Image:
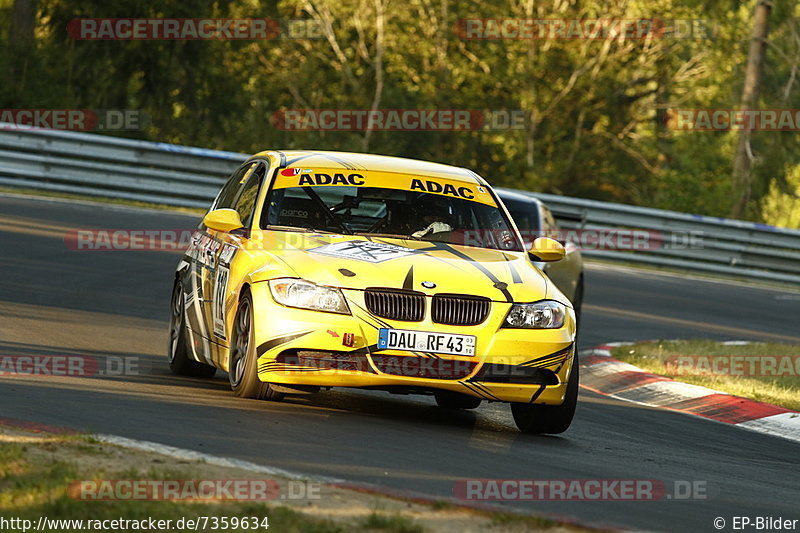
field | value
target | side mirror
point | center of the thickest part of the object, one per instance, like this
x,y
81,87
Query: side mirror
x,y
545,249
223,220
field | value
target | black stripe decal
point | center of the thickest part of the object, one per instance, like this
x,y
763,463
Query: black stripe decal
x,y
537,393
484,388
555,355
296,159
277,341
515,277
346,164
408,283
499,285
471,387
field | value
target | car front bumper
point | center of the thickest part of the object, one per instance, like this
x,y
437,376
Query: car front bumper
x,y
303,347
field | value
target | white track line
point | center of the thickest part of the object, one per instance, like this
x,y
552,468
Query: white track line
x,y
191,455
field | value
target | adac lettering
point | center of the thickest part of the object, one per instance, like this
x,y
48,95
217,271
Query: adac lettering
x,y
447,188
327,179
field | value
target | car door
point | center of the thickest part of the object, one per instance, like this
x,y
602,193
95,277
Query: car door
x,y
219,282
564,273
204,253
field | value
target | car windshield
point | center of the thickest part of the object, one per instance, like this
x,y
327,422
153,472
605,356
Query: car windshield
x,y
524,213
379,211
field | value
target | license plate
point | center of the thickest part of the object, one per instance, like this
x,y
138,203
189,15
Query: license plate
x,y
425,341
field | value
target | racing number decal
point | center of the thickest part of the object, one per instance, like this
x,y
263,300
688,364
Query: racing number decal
x,y
221,290
218,309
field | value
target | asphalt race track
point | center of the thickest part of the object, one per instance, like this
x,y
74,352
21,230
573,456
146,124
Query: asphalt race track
x,y
113,305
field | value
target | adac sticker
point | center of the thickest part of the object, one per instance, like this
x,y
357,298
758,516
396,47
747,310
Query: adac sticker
x,y
294,171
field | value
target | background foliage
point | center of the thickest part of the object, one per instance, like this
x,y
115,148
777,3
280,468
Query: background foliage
x,y
598,106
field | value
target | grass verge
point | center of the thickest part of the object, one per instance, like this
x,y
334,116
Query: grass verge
x,y
767,372
39,472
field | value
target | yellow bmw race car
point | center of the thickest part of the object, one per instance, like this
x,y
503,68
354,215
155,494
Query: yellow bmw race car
x,y
323,269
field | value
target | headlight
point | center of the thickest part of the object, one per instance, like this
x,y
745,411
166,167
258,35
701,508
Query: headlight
x,y
306,295
547,314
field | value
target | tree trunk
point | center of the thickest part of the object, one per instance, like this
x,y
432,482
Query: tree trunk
x,y
20,41
743,160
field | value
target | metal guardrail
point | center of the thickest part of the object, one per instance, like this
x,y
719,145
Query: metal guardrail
x,y
694,242
111,167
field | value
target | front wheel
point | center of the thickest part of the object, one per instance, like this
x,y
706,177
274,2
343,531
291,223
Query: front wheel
x,y
178,351
242,358
577,300
551,419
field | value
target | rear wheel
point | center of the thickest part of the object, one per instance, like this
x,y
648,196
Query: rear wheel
x,y
549,418
454,400
242,358
178,351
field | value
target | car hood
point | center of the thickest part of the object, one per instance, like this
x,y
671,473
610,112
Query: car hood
x,y
356,262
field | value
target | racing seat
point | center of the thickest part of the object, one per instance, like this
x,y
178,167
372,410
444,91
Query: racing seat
x,y
301,212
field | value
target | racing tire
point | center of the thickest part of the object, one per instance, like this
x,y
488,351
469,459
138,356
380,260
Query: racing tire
x,y
551,419
177,350
454,400
577,300
242,357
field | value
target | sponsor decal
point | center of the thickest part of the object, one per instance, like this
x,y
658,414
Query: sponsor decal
x,y
228,251
295,171
203,247
218,310
438,188
327,179
349,340
371,252
294,213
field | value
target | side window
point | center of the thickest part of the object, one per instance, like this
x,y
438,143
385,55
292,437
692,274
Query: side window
x,y
227,196
246,202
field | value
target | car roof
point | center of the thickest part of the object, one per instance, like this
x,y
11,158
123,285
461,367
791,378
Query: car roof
x,y
512,194
383,163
